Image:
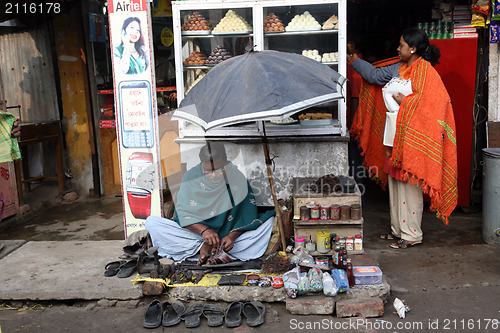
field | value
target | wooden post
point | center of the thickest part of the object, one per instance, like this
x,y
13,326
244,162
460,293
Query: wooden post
x,y
277,206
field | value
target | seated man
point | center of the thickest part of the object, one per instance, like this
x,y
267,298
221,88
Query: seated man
x,y
215,208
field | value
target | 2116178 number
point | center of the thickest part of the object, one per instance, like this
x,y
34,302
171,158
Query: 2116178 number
x,y
32,8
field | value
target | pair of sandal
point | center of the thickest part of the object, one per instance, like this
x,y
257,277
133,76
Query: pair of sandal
x,y
121,268
255,312
166,314
400,243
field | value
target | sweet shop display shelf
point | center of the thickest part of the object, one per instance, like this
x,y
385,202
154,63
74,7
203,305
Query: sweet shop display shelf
x,y
243,34
301,33
198,67
254,13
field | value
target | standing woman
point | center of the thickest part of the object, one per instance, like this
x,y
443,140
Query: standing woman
x,y
423,157
130,55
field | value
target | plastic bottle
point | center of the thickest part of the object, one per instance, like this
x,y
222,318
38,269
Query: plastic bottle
x,y
358,242
350,274
349,243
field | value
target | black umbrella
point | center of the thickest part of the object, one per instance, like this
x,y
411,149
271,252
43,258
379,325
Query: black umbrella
x,y
260,85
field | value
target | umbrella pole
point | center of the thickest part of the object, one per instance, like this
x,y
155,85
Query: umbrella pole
x,y
277,206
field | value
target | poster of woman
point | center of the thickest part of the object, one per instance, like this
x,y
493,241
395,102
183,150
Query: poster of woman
x,y
130,56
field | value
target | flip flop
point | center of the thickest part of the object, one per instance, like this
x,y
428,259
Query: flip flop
x,y
112,268
172,313
153,314
388,236
192,315
127,269
402,244
233,314
214,314
255,313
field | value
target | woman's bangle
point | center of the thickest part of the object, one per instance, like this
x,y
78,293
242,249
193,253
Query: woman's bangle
x,y
201,233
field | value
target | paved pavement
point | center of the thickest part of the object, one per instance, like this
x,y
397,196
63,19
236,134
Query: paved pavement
x,y
452,280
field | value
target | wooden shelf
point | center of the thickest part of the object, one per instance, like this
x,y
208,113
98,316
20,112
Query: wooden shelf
x,y
329,253
328,222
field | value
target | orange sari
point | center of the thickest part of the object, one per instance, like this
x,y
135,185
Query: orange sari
x,y
424,146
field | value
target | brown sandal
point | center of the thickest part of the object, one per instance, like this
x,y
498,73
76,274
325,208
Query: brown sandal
x,y
219,257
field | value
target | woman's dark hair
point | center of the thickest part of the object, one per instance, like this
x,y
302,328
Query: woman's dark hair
x,y
139,45
418,38
213,151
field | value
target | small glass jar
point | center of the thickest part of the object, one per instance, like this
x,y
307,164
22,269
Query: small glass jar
x,y
299,242
349,243
358,242
342,241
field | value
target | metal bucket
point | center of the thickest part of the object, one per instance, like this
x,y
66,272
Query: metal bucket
x,y
491,194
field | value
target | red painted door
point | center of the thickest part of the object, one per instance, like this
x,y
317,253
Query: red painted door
x,y
458,70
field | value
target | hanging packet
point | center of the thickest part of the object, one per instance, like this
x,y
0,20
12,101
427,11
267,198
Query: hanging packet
x,y
494,32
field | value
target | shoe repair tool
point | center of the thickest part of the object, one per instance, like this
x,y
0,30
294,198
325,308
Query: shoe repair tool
x,y
200,274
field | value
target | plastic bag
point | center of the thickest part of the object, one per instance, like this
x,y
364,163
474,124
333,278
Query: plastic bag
x,y
329,288
340,278
291,282
494,32
315,280
301,255
304,284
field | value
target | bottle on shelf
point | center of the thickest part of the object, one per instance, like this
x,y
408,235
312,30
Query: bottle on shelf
x,y
350,274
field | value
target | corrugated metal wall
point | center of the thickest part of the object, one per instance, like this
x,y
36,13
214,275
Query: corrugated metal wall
x,y
28,74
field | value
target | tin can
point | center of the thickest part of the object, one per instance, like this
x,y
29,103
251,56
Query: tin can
x,y
314,213
305,214
324,212
355,212
345,212
322,261
323,241
334,212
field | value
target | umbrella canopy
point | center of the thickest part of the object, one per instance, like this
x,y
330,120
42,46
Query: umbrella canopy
x,y
259,85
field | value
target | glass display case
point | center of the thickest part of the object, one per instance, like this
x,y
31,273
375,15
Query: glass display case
x,y
207,33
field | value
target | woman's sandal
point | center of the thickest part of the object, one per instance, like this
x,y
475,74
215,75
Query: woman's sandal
x,y
388,236
402,244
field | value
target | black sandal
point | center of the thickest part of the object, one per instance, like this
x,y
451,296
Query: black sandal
x,y
389,236
402,244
